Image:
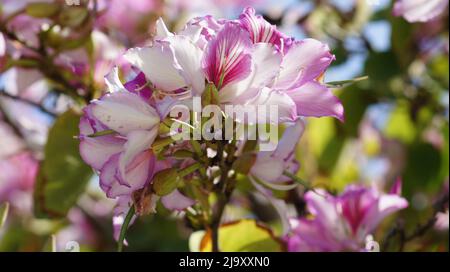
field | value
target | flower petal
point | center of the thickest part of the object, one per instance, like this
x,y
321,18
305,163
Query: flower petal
x,y
138,85
158,64
108,181
177,201
265,68
227,56
284,104
124,112
262,31
188,56
419,10
97,151
314,99
138,142
268,169
288,142
161,30
113,82
387,204
304,61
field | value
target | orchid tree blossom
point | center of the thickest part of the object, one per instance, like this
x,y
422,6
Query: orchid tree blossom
x,y
343,222
282,69
248,62
420,10
123,158
17,177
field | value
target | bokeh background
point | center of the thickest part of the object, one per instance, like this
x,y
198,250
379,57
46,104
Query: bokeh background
x,y
396,121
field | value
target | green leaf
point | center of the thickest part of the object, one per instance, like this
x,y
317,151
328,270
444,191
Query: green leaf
x,y
4,209
422,169
400,126
182,154
63,175
445,154
381,67
42,9
243,236
355,101
342,83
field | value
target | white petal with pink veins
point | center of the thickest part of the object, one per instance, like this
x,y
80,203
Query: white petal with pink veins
x,y
227,57
265,68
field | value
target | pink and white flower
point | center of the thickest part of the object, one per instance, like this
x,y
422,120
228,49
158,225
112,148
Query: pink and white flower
x,y
123,158
249,61
17,176
342,223
419,10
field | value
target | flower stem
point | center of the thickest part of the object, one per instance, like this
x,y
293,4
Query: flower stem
x,y
296,179
124,228
189,170
224,190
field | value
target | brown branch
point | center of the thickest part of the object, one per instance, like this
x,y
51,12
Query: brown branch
x,y
28,102
399,229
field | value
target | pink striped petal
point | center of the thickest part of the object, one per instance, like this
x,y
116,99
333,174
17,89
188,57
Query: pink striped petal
x,y
314,99
227,57
262,31
266,62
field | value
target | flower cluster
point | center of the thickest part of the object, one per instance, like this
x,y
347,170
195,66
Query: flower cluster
x,y
344,222
244,62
